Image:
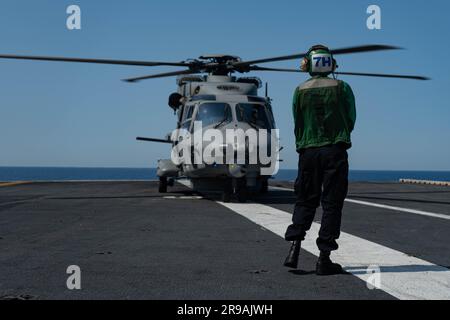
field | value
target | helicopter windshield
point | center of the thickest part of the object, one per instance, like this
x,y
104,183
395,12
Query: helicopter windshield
x,y
214,113
252,113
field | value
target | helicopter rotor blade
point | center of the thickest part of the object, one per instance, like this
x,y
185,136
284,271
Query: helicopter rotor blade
x,y
380,75
383,75
99,61
258,68
358,49
367,48
162,75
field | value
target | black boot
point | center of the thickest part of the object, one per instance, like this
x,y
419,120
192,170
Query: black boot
x,y
292,258
325,267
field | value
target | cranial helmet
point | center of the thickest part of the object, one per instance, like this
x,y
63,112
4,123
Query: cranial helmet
x,y
319,61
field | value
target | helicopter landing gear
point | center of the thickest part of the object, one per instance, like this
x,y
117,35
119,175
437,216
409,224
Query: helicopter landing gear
x,y
226,197
227,191
237,188
264,187
240,190
163,183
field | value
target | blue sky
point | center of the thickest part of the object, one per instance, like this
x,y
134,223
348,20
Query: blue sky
x,y
55,114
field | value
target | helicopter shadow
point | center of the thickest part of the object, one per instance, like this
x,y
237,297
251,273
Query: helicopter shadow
x,y
398,269
276,197
382,269
355,196
183,193
272,197
289,197
402,192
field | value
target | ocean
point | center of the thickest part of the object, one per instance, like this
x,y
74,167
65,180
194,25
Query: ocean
x,y
64,174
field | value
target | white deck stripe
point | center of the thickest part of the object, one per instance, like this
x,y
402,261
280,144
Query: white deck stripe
x,y
402,276
384,206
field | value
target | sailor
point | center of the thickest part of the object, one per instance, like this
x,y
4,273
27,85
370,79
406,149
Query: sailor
x,y
324,113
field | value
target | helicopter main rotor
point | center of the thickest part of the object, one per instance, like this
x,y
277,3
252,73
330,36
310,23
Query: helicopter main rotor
x,y
222,64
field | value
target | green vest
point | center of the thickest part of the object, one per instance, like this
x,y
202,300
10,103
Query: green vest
x,y
324,112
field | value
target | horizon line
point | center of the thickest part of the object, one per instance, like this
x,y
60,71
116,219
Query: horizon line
x,y
154,168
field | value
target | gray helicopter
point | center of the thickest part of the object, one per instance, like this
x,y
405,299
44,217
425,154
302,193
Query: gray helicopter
x,y
209,94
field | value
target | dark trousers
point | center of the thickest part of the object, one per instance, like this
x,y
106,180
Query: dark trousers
x,y
322,179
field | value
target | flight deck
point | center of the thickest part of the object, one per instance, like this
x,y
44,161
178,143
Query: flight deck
x,y
131,242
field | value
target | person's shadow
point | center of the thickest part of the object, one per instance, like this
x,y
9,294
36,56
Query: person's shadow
x,y
299,272
302,272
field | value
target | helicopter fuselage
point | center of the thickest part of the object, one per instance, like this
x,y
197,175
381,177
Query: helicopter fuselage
x,y
222,104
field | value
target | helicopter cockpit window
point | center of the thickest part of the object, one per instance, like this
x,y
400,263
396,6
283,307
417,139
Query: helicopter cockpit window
x,y
214,113
254,114
186,125
189,110
187,117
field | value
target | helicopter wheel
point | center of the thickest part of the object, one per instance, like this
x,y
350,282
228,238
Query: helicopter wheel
x,y
226,197
242,196
264,187
241,190
227,192
162,185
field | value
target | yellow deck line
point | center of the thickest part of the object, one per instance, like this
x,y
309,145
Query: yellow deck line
x,y
11,184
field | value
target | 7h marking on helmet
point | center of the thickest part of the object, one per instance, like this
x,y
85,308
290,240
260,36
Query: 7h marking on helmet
x,y
322,63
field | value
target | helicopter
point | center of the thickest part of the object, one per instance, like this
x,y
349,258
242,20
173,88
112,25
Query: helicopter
x,y
209,93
